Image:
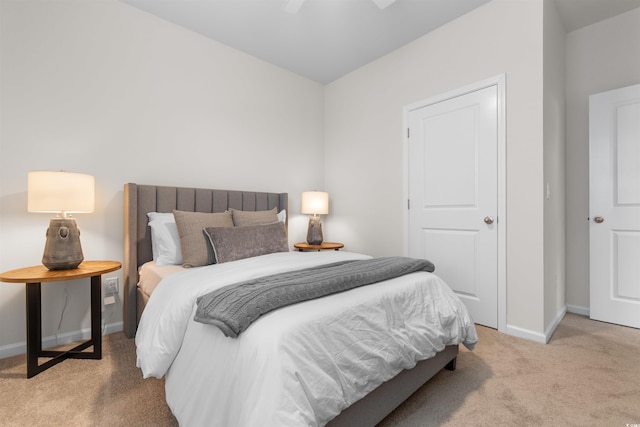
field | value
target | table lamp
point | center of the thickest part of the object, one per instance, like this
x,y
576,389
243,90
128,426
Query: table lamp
x,y
315,203
61,193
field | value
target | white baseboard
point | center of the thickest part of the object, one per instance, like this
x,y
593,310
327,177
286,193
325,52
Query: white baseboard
x,y
526,334
113,327
576,309
554,324
15,349
538,337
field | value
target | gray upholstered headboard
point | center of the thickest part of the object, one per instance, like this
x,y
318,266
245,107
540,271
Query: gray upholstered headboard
x,y
140,199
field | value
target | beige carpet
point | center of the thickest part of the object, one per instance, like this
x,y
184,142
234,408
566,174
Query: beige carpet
x,y
588,375
76,392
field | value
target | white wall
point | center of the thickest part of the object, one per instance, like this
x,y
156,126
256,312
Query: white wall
x,y
554,168
600,57
105,89
364,137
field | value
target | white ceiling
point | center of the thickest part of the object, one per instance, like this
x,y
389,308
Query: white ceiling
x,y
327,39
576,14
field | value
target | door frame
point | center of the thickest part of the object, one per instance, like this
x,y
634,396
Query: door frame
x,y
500,82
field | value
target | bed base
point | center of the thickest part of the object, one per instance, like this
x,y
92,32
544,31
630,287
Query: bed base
x,y
375,406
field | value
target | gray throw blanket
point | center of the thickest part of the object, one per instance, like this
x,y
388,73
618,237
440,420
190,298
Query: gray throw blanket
x,y
233,308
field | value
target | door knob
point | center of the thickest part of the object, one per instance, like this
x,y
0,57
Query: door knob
x,y
488,220
598,220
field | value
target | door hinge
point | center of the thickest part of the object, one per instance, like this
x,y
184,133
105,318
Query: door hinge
x,y
408,203
408,133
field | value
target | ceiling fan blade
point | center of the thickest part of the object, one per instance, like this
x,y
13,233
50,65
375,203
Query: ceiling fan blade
x,y
383,3
293,6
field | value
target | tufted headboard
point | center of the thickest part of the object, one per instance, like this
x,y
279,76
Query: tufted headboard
x,y
141,199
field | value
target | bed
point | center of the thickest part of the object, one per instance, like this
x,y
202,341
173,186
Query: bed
x,y
277,372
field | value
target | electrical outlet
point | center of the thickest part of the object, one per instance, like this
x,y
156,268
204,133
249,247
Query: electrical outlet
x,y
110,286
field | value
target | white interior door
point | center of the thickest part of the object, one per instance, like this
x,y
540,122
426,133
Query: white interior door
x,y
614,199
453,195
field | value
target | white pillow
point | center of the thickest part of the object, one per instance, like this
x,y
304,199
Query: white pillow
x,y
282,215
165,240
161,216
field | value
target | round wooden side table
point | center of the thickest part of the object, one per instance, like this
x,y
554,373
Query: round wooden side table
x,y
33,277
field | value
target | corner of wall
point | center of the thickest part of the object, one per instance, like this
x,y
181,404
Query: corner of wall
x,y
541,338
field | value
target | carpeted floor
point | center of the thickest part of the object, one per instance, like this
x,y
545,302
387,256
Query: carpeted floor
x,y
77,392
588,375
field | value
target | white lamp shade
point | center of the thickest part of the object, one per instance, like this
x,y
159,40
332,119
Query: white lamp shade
x,y
58,191
315,203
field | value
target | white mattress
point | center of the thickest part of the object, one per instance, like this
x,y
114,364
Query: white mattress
x,y
299,365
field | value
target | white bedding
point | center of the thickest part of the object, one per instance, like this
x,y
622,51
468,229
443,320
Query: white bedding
x,y
299,365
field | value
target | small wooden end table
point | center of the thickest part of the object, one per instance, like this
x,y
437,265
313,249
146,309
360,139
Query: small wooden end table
x,y
324,246
33,277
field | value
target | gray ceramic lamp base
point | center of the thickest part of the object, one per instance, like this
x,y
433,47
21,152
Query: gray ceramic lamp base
x,y
62,251
314,232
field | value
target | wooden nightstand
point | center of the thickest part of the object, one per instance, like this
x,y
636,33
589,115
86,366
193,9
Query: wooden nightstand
x,y
324,246
33,277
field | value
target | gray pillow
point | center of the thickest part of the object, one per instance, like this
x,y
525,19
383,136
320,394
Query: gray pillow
x,y
230,244
242,218
193,242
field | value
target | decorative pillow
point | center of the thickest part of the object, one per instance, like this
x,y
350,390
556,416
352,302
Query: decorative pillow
x,y
243,218
193,242
230,244
165,242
